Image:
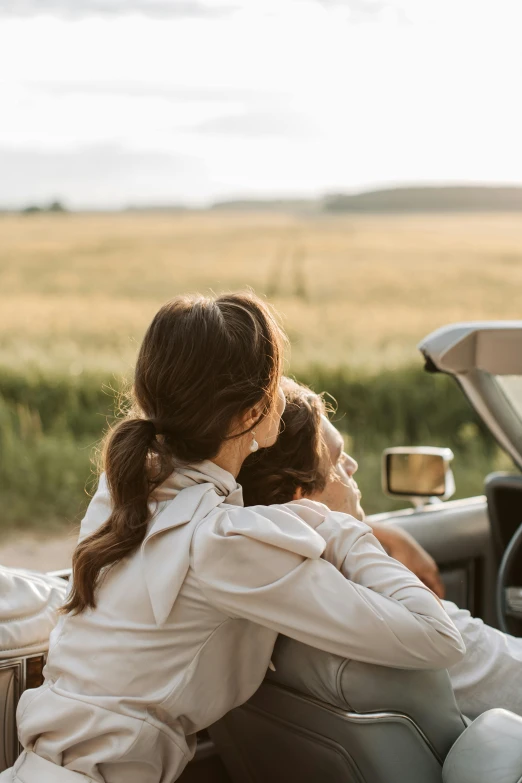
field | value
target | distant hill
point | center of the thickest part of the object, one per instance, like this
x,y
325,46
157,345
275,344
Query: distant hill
x,y
269,205
429,199
156,208
453,198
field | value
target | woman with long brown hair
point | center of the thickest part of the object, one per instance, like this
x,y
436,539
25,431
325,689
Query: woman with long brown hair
x,y
178,591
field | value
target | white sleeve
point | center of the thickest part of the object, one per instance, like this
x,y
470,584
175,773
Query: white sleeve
x,y
267,565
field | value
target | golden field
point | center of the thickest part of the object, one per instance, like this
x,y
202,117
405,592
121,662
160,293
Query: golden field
x,y
77,290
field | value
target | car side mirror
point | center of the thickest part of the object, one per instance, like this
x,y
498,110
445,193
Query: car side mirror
x,y
421,474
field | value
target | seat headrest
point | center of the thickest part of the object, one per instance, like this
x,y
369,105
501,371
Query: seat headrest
x,y
425,696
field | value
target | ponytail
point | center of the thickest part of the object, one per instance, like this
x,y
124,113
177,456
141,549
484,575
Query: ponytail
x,y
131,479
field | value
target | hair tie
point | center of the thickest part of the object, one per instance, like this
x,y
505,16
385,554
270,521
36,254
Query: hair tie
x,y
153,427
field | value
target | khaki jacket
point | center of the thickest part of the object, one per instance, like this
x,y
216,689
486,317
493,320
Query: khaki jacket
x,y
184,629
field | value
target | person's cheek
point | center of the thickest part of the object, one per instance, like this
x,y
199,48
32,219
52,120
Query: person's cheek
x,y
351,498
281,402
330,498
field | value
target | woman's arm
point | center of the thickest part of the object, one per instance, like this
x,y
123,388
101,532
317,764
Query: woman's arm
x,y
403,547
335,527
381,613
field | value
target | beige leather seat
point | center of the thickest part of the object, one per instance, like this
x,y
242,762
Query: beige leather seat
x,y
28,604
320,717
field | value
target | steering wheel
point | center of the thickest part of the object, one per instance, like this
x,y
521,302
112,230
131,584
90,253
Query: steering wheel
x,y
509,599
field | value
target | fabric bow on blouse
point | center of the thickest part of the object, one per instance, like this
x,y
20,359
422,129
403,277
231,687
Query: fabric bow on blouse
x,y
179,505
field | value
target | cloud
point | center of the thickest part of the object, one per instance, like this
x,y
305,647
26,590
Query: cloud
x,y
74,9
105,175
362,6
176,93
356,10
255,124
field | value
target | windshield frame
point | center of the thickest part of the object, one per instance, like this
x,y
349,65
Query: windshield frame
x,y
476,354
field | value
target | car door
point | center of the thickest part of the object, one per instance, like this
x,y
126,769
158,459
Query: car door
x,y
468,537
457,534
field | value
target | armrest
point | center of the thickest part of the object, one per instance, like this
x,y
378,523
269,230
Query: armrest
x,y
489,751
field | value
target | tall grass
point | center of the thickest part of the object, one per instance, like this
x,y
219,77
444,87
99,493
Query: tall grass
x,y
43,473
50,425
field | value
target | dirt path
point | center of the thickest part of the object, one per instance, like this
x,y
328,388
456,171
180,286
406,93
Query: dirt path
x,y
26,550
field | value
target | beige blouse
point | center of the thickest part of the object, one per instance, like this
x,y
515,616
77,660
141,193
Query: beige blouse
x,y
184,629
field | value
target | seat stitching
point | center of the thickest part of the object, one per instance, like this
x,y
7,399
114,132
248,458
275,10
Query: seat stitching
x,y
338,684
26,646
29,616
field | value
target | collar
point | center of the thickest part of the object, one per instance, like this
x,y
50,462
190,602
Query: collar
x,y
186,497
206,472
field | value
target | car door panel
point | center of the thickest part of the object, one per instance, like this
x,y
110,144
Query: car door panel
x,y
457,534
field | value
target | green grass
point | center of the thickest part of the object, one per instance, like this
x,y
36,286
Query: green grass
x,y
43,474
50,425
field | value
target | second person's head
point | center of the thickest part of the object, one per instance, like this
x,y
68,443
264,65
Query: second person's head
x,y
308,459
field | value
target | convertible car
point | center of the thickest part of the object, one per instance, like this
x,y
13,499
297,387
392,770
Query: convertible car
x,y
319,717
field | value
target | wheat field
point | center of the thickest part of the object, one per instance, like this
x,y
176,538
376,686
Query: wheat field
x,y
77,290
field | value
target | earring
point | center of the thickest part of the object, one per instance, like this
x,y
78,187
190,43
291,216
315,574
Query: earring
x,y
254,445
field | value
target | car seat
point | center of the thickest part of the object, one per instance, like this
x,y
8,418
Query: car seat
x,y
28,604
322,717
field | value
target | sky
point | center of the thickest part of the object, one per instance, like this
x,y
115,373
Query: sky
x,y
108,103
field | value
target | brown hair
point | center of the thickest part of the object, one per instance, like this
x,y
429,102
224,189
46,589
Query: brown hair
x,y
297,460
202,363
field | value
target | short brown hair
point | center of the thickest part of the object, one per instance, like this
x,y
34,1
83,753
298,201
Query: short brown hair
x,y
297,460
202,363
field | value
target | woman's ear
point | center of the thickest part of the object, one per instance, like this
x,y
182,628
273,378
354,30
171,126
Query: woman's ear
x,y
254,415
251,417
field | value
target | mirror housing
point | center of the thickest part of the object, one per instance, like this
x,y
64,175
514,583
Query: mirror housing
x,y
420,474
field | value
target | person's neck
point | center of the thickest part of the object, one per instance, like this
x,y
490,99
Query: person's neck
x,y
230,458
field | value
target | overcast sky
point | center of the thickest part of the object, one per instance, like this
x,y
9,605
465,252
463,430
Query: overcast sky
x,y
112,102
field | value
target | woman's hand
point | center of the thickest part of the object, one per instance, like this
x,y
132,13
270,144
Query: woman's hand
x,y
402,547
